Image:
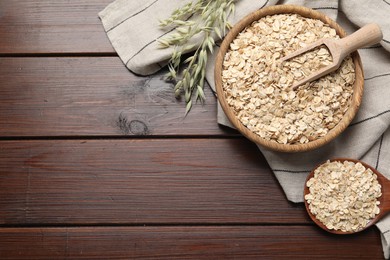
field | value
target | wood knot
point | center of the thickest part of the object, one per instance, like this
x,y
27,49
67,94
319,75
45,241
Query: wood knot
x,y
135,127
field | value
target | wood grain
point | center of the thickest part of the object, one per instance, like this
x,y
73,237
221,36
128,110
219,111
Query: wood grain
x,y
46,26
241,242
94,96
139,181
97,163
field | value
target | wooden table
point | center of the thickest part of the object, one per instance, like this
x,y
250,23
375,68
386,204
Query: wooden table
x,y
97,163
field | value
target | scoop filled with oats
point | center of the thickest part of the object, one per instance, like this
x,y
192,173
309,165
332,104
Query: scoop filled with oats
x,y
345,196
367,35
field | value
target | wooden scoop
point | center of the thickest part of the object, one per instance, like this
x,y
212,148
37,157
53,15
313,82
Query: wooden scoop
x,y
339,49
384,200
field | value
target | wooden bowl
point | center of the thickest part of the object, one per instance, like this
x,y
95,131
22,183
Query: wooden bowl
x,y
384,199
272,145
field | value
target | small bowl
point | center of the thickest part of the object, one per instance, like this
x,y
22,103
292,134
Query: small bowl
x,y
383,199
272,145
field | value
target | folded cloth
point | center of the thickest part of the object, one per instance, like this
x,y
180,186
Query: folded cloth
x,y
132,27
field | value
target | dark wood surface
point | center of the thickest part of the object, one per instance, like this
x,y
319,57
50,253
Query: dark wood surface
x,y
97,163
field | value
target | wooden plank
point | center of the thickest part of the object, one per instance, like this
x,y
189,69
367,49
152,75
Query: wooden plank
x,y
239,242
139,181
94,96
46,26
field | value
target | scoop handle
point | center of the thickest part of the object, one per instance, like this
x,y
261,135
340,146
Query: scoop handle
x,y
365,36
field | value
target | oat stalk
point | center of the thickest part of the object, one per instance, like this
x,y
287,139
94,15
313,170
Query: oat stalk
x,y
202,18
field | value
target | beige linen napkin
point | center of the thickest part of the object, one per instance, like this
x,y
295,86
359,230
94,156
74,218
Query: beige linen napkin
x,y
132,27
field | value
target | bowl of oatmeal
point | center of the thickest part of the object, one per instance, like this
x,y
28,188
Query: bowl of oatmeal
x,y
255,90
345,196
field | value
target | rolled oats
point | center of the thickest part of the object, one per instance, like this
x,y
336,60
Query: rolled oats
x,y
343,196
258,86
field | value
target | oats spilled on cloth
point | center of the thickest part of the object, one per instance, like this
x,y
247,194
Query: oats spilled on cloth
x,y
344,196
258,88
